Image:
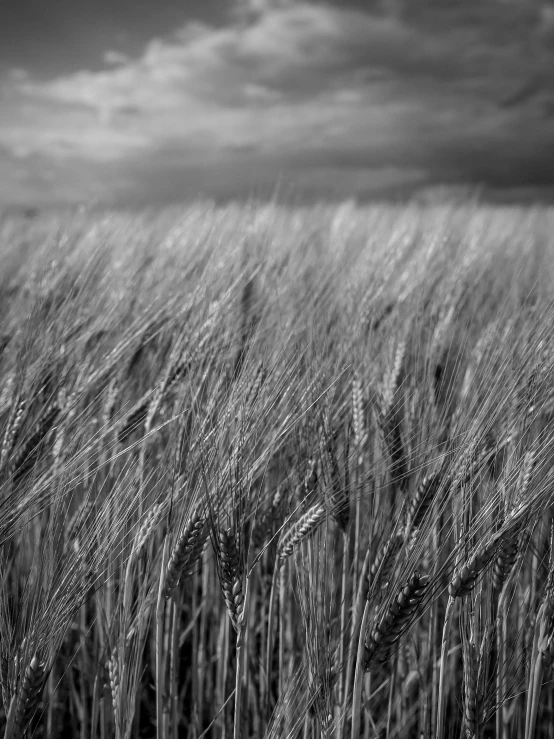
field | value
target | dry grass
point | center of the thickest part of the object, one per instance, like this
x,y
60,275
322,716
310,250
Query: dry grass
x,y
277,473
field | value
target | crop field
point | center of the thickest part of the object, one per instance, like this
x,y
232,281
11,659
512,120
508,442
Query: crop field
x,y
275,472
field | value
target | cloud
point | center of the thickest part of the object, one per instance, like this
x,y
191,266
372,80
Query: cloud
x,y
299,49
32,126
115,57
303,89
218,87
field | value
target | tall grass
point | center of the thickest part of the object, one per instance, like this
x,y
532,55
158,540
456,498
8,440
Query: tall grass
x,y
277,473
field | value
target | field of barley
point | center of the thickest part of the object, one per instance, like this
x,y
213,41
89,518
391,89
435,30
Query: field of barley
x,y
274,472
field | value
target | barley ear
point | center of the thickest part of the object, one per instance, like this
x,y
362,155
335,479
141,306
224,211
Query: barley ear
x,y
299,531
26,700
230,577
389,626
186,552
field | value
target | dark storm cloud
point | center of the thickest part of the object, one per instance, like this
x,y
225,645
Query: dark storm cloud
x,y
310,90
53,37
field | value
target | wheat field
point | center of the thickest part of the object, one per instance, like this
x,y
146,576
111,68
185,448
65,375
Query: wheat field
x,y
277,472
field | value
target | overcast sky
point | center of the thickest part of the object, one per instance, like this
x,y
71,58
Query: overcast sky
x,y
154,101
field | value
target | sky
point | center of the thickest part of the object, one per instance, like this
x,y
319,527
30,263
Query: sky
x,y
131,101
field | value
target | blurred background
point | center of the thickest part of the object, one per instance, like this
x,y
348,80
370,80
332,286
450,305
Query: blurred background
x,y
134,102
